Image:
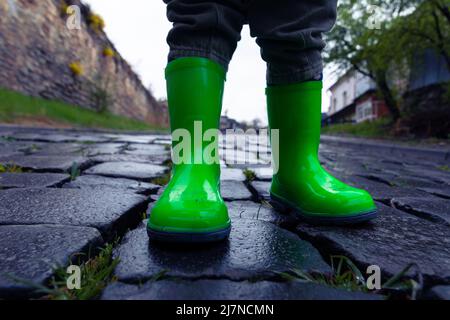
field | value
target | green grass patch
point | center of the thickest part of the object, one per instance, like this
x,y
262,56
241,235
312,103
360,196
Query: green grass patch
x,y
250,175
379,128
346,275
74,171
162,180
15,106
10,168
165,178
96,273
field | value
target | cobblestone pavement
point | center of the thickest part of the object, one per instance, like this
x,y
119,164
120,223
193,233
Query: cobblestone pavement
x,y
53,209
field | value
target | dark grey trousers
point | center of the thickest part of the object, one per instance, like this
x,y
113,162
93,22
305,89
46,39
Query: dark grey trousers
x,y
289,33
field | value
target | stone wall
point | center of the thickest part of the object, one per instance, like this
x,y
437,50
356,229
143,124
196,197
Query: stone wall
x,y
37,50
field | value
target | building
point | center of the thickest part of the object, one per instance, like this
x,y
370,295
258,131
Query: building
x,y
354,96
354,99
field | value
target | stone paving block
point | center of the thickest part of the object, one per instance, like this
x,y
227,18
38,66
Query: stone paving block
x,y
152,159
414,182
16,148
442,191
30,252
434,209
31,136
233,156
380,191
231,174
57,137
242,209
434,174
255,249
130,170
258,211
262,188
146,149
56,149
104,148
263,173
165,141
229,290
392,241
130,138
107,210
440,292
91,181
45,163
31,180
385,178
234,190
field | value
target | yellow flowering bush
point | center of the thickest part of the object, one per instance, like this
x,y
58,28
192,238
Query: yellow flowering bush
x,y
63,8
76,68
108,52
96,22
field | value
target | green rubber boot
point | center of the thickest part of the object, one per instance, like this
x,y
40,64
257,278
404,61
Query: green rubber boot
x,y
191,208
300,184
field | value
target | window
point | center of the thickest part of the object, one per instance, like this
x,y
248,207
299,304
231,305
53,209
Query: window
x,y
364,111
344,99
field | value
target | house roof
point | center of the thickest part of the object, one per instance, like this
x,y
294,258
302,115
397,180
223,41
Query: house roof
x,y
341,78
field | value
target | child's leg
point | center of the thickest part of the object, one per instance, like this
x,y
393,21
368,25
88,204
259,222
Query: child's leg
x,y
202,42
289,33
208,29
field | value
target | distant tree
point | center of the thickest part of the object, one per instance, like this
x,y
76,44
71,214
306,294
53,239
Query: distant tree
x,y
256,123
381,36
427,27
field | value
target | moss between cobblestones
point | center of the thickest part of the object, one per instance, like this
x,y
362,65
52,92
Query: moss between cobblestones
x,y
250,175
444,168
164,179
10,168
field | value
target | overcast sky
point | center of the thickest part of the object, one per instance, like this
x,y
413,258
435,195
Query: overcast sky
x,y
138,28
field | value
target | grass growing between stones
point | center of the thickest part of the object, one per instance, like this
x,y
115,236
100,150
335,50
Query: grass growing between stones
x,y
74,171
165,178
347,276
18,108
10,168
250,175
162,180
96,273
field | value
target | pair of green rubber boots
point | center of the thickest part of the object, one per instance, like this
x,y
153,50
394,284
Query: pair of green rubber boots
x,y
191,208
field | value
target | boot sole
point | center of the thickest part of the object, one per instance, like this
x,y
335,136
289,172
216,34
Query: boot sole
x,y
186,237
312,219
